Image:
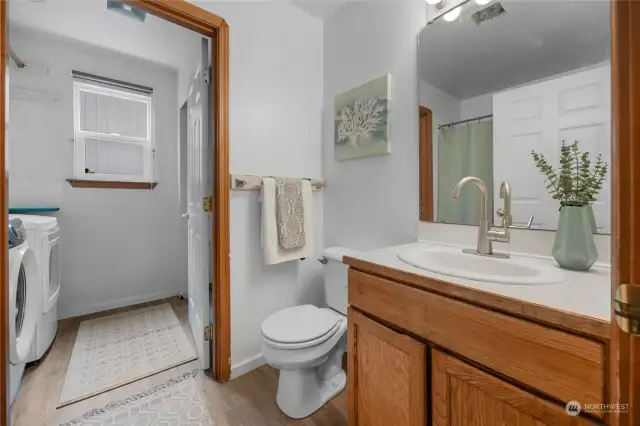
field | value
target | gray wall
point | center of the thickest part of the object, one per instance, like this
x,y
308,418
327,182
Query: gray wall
x,y
373,202
118,247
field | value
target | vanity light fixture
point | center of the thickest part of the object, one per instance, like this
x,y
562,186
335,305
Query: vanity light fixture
x,y
433,1
453,14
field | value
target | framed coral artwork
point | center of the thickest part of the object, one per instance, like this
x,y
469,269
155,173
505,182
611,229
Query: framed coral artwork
x,y
362,120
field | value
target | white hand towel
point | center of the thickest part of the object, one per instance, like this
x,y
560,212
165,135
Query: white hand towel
x,y
273,253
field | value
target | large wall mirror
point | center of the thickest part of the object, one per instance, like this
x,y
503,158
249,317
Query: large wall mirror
x,y
501,80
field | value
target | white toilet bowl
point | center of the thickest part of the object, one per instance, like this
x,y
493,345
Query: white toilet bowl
x,y
306,344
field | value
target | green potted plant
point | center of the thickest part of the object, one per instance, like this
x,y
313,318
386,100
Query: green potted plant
x,y
575,184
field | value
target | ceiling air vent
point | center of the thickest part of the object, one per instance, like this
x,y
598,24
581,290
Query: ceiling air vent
x,y
488,13
126,10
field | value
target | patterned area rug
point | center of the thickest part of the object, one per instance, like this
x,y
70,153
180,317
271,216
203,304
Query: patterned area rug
x,y
119,349
175,403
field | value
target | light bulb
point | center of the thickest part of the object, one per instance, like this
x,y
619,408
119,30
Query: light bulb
x,y
433,1
453,15
482,2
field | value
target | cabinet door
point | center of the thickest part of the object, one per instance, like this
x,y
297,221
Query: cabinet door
x,y
466,396
387,375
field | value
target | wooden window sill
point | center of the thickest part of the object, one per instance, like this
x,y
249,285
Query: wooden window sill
x,y
111,184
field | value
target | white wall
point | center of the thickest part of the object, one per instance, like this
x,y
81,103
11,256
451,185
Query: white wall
x,y
118,247
445,108
373,202
477,107
276,107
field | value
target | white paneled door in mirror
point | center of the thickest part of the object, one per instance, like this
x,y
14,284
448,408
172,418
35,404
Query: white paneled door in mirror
x,y
538,117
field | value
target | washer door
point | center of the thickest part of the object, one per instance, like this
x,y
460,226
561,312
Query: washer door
x,y
24,280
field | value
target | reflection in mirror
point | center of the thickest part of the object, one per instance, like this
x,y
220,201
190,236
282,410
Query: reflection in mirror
x,y
502,80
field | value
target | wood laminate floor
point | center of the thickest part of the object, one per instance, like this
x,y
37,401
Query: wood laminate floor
x,y
249,400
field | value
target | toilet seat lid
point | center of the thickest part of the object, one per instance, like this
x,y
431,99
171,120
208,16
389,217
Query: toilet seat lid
x,y
299,324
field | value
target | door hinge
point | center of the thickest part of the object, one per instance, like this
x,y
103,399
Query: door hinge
x,y
207,75
627,308
208,333
206,204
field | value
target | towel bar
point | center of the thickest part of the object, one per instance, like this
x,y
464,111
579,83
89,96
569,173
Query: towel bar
x,y
254,182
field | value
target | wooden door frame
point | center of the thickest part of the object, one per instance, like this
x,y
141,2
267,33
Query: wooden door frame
x,y
208,24
624,355
426,164
4,225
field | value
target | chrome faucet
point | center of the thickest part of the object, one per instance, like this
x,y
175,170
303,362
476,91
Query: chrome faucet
x,y
486,235
503,235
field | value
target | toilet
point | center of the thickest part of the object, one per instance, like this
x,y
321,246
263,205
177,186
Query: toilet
x,y
306,344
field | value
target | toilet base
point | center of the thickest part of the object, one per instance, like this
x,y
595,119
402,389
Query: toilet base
x,y
302,392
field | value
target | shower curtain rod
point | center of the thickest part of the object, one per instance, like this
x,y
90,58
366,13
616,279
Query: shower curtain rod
x,y
16,59
466,121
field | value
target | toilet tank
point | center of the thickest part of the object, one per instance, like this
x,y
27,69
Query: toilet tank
x,y
335,278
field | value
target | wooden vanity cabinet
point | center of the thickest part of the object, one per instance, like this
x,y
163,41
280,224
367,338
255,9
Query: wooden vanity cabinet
x,y
420,358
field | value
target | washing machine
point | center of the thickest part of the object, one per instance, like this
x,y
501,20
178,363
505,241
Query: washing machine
x,y
24,283
43,235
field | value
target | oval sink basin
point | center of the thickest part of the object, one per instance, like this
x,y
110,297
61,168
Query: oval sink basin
x,y
455,263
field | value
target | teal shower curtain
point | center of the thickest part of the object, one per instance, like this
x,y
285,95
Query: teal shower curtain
x,y
464,150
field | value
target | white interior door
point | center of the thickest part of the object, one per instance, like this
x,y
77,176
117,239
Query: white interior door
x,y
539,117
199,186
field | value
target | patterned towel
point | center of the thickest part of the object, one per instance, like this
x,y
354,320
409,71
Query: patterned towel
x,y
290,213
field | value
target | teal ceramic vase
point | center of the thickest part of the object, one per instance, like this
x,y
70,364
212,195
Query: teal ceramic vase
x,y
592,217
574,247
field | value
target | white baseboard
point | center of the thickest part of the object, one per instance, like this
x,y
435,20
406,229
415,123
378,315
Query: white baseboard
x,y
245,366
78,311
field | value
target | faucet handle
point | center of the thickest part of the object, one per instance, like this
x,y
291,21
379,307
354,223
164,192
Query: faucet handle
x,y
527,226
507,221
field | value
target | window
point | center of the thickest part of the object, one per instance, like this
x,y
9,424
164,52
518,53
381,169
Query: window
x,y
113,133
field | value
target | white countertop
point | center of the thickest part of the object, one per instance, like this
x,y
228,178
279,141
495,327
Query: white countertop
x,y
583,293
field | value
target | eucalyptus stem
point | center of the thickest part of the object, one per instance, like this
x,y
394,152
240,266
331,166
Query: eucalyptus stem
x,y
577,176
575,182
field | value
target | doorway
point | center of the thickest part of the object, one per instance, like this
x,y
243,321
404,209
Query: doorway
x,y
212,26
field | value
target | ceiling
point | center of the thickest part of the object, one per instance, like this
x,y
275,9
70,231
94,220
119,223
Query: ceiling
x,y
89,21
155,40
533,40
322,9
